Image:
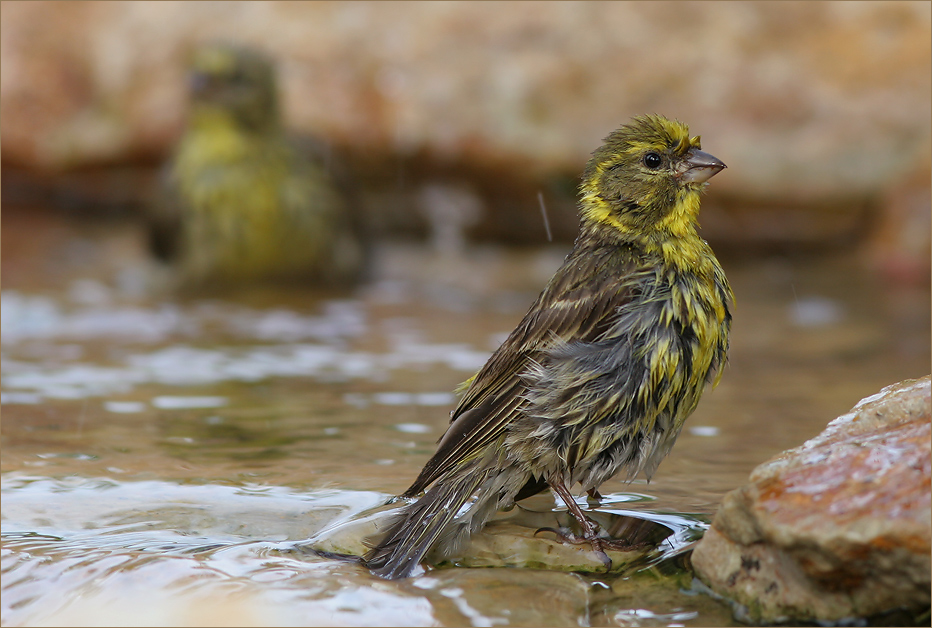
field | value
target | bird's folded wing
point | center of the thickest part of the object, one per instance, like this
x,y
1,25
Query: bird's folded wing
x,y
568,310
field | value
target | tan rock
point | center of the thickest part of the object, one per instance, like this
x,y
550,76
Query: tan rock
x,y
525,538
838,527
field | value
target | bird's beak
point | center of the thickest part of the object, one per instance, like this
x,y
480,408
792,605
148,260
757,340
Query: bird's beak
x,y
699,167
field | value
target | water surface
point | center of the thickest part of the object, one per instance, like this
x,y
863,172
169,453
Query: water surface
x,y
162,456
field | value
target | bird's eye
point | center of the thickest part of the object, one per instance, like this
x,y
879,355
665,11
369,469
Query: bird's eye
x,y
652,160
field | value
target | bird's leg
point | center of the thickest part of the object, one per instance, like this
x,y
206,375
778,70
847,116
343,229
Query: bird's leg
x,y
589,530
595,497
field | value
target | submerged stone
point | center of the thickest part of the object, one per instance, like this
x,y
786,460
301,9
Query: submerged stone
x,y
536,539
540,540
836,528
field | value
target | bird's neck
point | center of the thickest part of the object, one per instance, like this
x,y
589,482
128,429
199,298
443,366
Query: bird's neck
x,y
674,238
215,136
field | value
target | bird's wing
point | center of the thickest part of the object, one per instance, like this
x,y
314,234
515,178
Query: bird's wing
x,y
578,304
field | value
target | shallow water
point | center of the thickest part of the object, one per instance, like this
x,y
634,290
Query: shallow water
x,y
162,456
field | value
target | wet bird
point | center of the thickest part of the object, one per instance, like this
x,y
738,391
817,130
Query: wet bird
x,y
602,372
241,201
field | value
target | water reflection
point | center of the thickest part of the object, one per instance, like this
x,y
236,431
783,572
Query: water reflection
x,y
180,365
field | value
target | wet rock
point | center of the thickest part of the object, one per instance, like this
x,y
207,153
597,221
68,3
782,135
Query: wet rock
x,y
535,539
836,528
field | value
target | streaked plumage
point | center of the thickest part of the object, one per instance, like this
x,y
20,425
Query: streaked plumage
x,y
602,372
241,201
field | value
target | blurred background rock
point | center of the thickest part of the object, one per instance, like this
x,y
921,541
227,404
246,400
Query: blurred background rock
x,y
821,110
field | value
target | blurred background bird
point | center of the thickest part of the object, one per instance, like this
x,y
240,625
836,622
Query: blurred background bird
x,y
240,201
602,372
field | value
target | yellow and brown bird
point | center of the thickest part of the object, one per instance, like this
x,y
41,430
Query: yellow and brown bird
x,y
602,372
241,201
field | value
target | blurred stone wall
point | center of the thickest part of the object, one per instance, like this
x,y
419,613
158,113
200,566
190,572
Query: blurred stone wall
x,y
821,110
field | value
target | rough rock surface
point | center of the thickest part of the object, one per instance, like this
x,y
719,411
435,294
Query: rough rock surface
x,y
836,528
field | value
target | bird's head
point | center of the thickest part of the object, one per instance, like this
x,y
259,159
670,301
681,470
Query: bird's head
x,y
646,179
233,83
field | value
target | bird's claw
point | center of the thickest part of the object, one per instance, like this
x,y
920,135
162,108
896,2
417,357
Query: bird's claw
x,y
597,543
604,559
564,535
620,545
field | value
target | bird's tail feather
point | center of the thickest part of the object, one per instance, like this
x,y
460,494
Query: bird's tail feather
x,y
432,521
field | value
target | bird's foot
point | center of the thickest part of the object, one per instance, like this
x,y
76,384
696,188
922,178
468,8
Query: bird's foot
x,y
589,528
564,535
621,545
598,544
